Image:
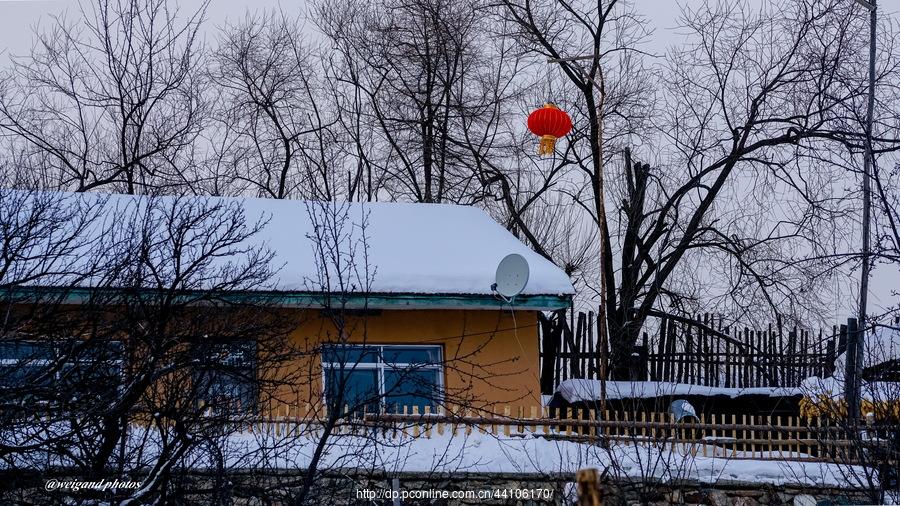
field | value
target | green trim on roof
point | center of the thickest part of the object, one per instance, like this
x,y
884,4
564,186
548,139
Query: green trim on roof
x,y
81,295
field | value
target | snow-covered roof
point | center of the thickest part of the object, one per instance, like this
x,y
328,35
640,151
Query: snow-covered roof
x,y
882,345
408,248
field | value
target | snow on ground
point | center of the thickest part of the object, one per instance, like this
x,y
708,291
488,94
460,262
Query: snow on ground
x,y
530,454
408,248
577,390
291,446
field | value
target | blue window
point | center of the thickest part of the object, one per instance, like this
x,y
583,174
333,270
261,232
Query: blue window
x,y
81,370
375,377
26,364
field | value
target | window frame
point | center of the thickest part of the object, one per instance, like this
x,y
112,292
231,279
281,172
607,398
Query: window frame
x,y
214,375
54,347
381,366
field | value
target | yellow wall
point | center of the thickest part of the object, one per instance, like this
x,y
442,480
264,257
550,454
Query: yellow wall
x,y
491,356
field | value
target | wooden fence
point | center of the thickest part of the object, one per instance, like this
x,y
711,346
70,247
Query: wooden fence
x,y
702,351
769,357
782,438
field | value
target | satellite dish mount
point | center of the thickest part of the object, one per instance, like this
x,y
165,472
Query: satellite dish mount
x,y
511,278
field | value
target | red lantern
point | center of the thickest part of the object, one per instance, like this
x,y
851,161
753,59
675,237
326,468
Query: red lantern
x,y
549,123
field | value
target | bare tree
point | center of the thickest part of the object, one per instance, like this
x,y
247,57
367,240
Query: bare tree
x,y
273,137
760,103
151,359
887,236
426,84
864,451
110,100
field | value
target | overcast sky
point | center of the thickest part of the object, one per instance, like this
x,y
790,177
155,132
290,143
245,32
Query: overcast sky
x,y
18,18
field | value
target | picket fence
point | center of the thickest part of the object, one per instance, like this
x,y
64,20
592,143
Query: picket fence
x,y
756,437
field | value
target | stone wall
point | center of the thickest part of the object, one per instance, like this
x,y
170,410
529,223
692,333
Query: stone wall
x,y
624,492
279,487
730,494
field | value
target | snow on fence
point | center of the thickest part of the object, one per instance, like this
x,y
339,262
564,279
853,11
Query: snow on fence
x,y
775,438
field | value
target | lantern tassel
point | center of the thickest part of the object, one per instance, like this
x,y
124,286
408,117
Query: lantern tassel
x,y
547,145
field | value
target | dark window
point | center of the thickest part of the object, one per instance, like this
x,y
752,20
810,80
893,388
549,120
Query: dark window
x,y
375,377
26,364
430,355
227,378
98,365
360,388
411,387
76,369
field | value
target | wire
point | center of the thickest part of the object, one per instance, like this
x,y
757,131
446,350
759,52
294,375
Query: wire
x,y
549,85
515,329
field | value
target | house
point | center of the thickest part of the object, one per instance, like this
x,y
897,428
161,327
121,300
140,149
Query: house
x,y
879,385
413,285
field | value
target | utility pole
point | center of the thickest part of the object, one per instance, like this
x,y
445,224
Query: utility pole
x,y
600,203
856,341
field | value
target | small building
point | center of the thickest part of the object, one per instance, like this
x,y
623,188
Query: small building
x,y
879,386
413,283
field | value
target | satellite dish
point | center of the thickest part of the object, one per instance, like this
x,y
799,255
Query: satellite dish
x,y
512,275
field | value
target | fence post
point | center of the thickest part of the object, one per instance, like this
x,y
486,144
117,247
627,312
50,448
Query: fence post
x,y
568,334
593,368
579,358
506,414
645,358
771,354
851,384
550,335
728,365
660,352
588,487
830,356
